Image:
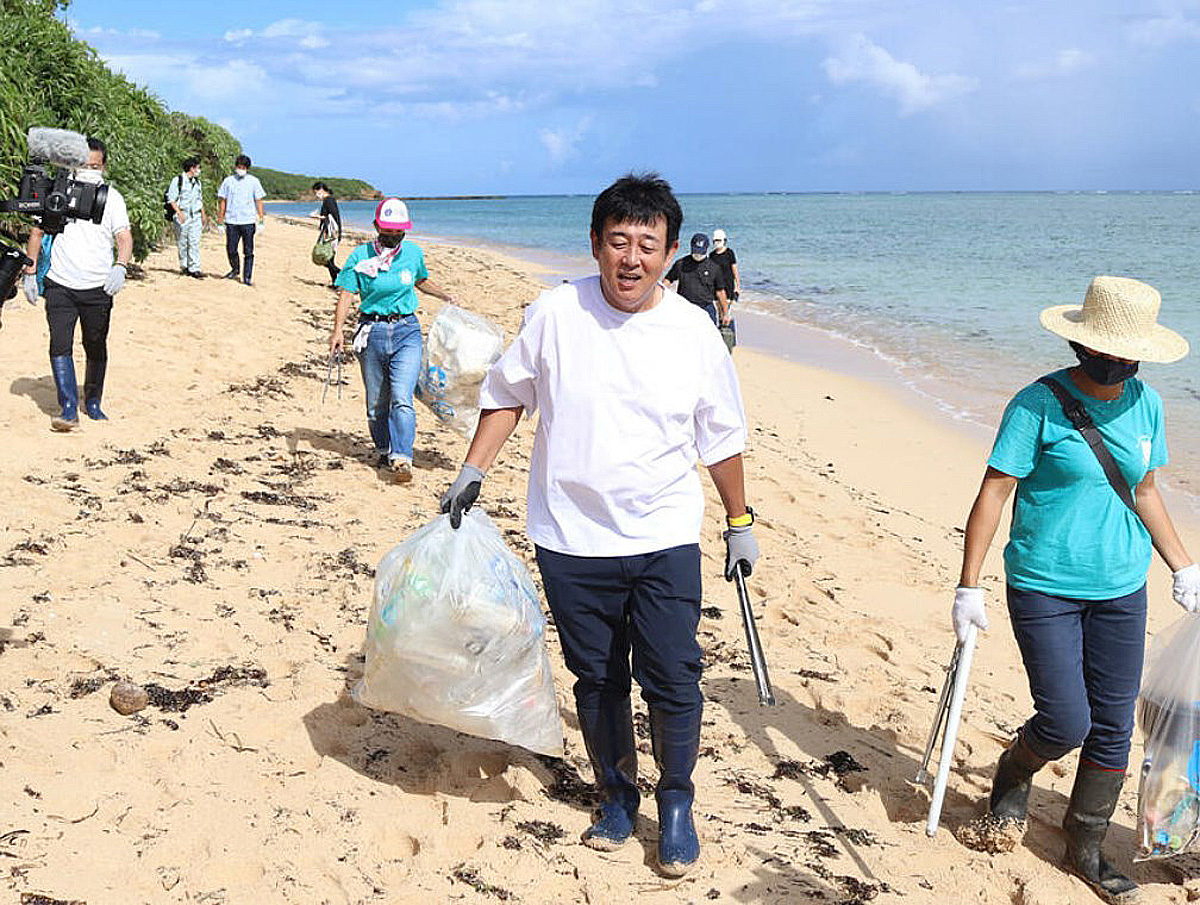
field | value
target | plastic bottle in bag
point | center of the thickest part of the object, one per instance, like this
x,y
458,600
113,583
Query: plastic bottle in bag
x,y
457,353
1169,716
456,637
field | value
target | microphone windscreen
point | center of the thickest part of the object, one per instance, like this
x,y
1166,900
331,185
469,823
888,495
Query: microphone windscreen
x,y
61,147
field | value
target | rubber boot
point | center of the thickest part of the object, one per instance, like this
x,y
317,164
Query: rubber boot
x,y
1013,779
1093,800
63,369
607,726
676,741
93,389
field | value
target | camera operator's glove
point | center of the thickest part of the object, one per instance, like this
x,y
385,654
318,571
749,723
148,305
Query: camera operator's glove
x,y
29,287
968,610
741,549
1186,587
115,279
462,494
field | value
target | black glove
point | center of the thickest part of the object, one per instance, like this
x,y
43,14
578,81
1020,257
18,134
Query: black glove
x,y
462,494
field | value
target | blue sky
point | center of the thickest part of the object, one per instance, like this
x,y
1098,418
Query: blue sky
x,y
518,96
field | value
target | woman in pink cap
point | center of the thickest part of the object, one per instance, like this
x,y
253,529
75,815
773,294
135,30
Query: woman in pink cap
x,y
384,274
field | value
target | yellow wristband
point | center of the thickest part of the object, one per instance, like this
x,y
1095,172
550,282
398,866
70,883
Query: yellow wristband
x,y
741,521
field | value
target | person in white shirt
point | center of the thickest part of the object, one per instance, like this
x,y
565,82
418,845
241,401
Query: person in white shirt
x,y
80,286
239,202
633,386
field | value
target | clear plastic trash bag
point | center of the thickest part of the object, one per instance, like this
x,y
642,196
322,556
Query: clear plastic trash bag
x,y
1168,713
456,637
459,350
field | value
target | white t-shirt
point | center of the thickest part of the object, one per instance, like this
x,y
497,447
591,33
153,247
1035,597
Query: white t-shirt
x,y
628,403
82,254
240,195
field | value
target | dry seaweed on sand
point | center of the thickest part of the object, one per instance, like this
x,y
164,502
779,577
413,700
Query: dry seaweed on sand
x,y
470,876
202,691
568,786
543,831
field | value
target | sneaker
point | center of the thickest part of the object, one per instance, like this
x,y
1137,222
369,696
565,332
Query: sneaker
x,y
246,280
401,471
233,275
196,273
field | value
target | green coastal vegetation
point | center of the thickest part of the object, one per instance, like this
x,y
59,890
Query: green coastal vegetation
x,y
50,78
281,186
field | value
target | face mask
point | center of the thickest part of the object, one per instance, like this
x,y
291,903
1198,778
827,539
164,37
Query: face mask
x,y
93,177
239,173
1103,371
390,241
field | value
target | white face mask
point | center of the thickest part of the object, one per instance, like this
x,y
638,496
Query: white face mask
x,y
90,176
239,173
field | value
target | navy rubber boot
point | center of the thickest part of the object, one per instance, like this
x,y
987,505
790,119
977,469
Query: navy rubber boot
x,y
607,726
93,389
676,741
63,369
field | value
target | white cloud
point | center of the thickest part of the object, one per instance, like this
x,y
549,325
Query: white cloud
x,y
309,35
1162,30
1065,62
861,60
563,144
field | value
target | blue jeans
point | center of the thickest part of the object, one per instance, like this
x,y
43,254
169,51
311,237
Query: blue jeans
x,y
1084,663
604,606
390,364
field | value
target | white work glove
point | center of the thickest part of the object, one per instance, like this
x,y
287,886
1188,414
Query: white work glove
x,y
29,287
115,279
1186,587
968,610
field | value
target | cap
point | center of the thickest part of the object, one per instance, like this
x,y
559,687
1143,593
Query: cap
x,y
392,213
718,235
699,244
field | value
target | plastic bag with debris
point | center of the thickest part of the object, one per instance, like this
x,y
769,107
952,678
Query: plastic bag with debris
x,y
457,353
1169,716
456,637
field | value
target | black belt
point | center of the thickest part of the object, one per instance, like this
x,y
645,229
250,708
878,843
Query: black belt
x,y
376,318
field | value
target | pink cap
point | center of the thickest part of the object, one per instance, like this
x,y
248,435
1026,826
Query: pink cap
x,y
392,213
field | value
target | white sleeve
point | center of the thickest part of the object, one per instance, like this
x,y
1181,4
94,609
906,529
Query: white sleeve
x,y
512,380
720,420
116,214
258,189
223,190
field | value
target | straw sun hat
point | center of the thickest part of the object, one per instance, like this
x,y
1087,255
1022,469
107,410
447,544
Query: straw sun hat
x,y
1119,316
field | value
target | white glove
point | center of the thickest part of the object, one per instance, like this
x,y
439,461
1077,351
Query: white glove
x,y
968,610
29,287
1186,587
115,279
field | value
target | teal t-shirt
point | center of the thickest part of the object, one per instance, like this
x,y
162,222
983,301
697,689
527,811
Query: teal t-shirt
x,y
1071,534
391,291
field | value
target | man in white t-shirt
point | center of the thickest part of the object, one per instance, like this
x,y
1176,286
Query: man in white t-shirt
x,y
239,206
80,285
634,386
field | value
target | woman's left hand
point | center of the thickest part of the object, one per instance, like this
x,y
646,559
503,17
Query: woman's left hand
x,y
1186,587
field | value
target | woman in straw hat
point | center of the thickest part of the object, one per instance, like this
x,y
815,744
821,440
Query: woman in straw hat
x,y
1076,564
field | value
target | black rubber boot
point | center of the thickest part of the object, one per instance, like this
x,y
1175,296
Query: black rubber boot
x,y
676,741
1013,779
1093,800
63,369
607,728
93,389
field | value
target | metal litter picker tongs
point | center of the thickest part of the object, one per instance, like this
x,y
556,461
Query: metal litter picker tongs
x,y
333,357
758,662
949,713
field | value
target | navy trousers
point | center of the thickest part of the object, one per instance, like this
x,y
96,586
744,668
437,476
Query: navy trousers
x,y
244,233
606,608
1084,663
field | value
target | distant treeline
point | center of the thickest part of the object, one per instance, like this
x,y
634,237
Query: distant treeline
x,y
49,78
281,186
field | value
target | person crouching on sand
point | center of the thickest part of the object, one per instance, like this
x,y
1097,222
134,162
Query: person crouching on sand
x,y
633,385
1076,563
384,274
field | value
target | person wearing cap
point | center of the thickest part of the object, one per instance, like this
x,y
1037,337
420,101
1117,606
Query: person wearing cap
x,y
616,525
239,200
727,261
1076,563
385,275
701,281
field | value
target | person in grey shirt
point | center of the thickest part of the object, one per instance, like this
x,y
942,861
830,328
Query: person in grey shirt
x,y
186,199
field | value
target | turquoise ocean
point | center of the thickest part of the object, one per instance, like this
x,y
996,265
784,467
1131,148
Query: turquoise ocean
x,y
939,292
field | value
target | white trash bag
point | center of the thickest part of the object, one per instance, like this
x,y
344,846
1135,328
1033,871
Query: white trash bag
x,y
1168,712
456,637
459,350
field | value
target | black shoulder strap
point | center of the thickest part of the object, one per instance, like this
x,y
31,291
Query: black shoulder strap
x,y
1083,423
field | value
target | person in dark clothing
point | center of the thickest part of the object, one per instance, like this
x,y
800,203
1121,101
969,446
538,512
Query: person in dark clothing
x,y
727,261
701,281
331,223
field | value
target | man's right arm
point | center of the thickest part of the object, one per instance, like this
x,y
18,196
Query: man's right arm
x,y
494,428
32,247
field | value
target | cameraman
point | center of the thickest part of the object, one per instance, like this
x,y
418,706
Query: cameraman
x,y
80,286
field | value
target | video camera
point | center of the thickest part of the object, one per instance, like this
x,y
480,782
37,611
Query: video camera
x,y
53,199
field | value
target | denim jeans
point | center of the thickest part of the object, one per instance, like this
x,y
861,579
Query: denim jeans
x,y
390,364
243,232
1084,663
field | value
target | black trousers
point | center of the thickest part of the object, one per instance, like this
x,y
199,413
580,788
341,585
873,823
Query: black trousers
x,y
334,270
91,307
244,232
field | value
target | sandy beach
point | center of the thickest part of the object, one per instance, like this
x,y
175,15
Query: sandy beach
x,y
216,540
